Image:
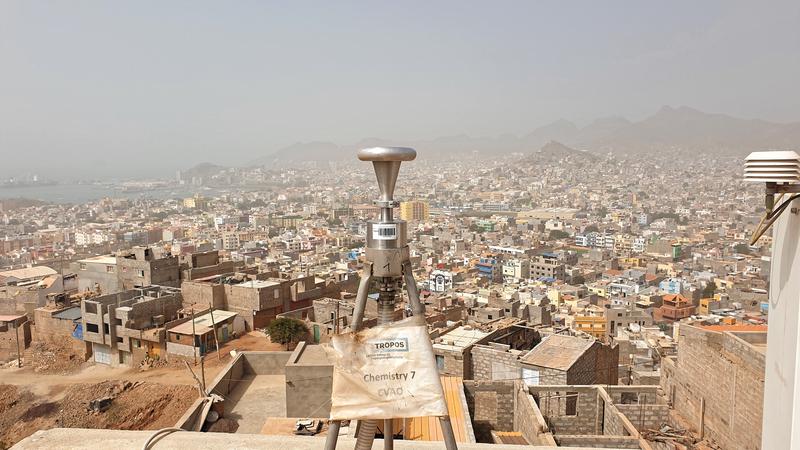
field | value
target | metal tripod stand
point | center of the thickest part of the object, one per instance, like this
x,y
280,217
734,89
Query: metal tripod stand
x,y
388,264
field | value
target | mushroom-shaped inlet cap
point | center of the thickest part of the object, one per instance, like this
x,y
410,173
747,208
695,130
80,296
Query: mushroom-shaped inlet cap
x,y
387,154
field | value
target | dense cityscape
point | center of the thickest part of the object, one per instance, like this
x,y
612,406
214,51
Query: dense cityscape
x,y
450,225
556,248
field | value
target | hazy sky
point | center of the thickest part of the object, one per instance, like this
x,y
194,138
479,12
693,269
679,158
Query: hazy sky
x,y
116,86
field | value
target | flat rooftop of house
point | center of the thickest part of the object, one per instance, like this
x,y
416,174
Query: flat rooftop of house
x,y
28,272
258,284
10,317
202,324
461,338
103,259
69,313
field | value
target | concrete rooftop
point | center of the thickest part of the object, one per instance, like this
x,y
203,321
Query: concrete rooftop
x,y
84,439
254,399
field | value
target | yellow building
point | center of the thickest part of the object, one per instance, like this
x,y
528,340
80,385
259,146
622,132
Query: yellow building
x,y
414,210
197,202
592,325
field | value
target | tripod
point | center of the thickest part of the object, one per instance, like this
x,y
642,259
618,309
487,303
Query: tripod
x,y
388,263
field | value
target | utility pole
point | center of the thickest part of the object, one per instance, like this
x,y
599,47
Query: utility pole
x,y
336,323
194,340
203,371
19,355
214,327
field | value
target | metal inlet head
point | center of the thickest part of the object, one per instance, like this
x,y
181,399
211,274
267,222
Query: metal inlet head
x,y
386,161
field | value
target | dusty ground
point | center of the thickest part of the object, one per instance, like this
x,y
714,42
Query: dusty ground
x,y
53,359
135,406
54,390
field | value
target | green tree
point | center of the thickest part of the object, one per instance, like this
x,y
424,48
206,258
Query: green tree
x,y
709,290
743,249
285,330
558,234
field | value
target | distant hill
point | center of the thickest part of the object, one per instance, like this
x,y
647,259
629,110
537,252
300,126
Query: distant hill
x,y
554,152
302,151
202,170
689,128
681,128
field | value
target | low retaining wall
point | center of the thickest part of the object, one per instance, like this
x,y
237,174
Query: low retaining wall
x,y
255,363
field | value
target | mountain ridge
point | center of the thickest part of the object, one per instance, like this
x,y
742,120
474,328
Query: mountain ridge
x,y
678,128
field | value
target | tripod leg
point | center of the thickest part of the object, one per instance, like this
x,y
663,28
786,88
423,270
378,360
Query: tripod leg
x,y
333,435
361,298
447,432
388,434
413,293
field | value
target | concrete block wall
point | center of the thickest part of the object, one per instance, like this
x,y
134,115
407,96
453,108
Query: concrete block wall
x,y
203,294
492,406
727,374
490,363
454,365
612,423
615,442
646,417
528,420
598,365
581,415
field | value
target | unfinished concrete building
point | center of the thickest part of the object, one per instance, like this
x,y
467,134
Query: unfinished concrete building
x,y
141,267
98,273
205,264
258,297
453,349
556,359
127,326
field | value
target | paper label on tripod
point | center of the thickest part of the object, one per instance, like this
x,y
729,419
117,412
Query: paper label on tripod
x,y
386,372
384,231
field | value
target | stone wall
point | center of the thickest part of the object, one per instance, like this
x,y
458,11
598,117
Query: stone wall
x,y
491,405
724,373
